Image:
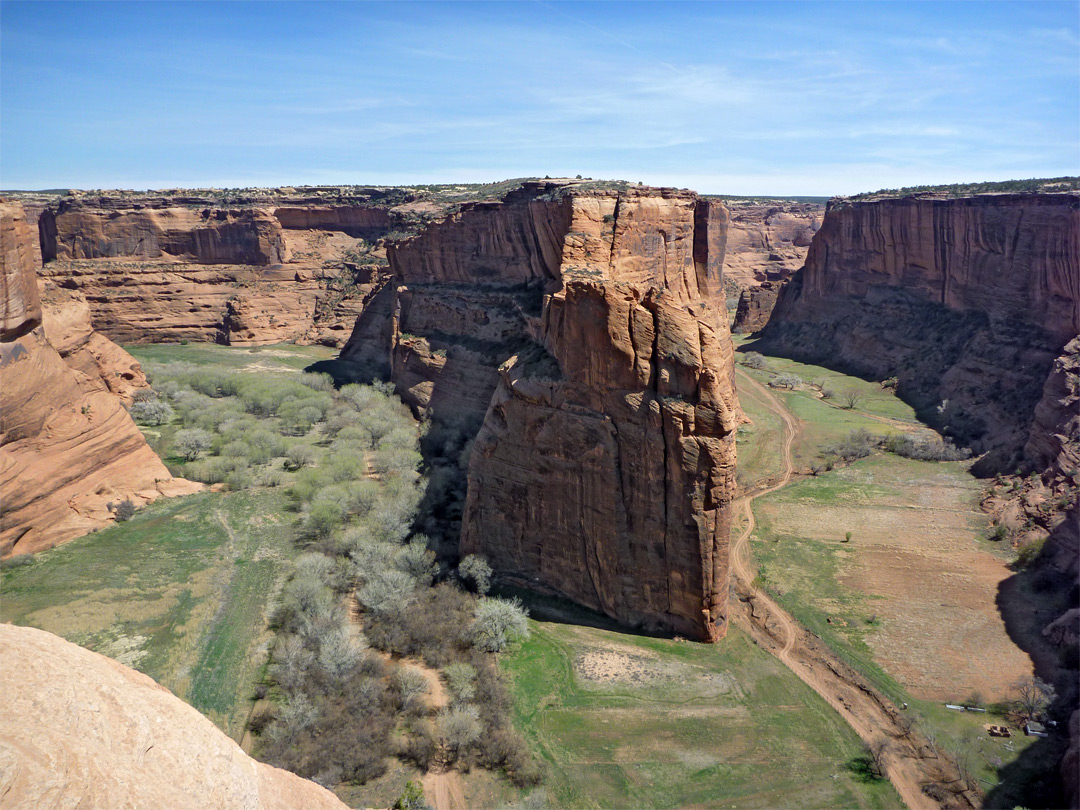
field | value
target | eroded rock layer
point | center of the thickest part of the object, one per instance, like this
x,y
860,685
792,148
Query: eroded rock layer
x,y
68,447
81,730
585,325
243,270
768,240
967,301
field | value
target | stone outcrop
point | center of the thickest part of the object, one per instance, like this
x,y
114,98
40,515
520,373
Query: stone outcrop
x,y
755,306
82,730
607,475
768,240
68,447
967,301
66,321
584,324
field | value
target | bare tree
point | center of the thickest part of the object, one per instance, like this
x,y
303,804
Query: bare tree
x,y
851,399
930,734
1033,695
879,752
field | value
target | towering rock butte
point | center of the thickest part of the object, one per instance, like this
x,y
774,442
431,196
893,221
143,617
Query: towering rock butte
x,y
81,730
67,445
586,325
967,301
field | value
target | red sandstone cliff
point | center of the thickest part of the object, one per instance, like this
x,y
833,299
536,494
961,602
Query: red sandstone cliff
x,y
767,241
585,325
109,228
244,270
68,447
78,729
967,301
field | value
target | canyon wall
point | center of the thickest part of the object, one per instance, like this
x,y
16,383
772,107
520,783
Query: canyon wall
x,y
967,301
81,730
583,327
242,270
151,229
768,240
68,448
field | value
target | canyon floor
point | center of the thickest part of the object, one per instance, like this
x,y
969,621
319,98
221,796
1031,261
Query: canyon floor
x,y
908,602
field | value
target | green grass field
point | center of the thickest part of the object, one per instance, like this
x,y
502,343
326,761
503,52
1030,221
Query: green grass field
x,y
181,592
630,721
825,421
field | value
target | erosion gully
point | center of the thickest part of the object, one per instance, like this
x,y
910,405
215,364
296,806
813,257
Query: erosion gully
x,y
905,757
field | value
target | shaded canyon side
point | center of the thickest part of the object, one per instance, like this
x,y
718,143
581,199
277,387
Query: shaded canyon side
x,y
968,302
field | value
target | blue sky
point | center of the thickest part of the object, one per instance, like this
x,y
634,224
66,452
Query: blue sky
x,y
741,98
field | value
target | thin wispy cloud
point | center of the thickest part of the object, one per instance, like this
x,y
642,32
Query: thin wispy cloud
x,y
811,98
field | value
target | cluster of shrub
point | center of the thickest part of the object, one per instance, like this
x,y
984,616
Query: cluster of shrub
x,y
338,708
861,443
1000,186
243,423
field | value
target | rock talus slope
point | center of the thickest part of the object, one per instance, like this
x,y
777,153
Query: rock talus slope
x,y
68,447
585,326
82,730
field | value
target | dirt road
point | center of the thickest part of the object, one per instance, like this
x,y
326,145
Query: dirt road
x,y
909,761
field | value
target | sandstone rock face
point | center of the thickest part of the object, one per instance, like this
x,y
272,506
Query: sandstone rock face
x,y
82,730
585,326
244,271
22,305
66,321
768,241
109,228
608,476
68,447
968,301
756,306
1054,440
357,220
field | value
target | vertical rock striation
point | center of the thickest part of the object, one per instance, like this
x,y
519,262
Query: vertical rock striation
x,y
967,301
585,325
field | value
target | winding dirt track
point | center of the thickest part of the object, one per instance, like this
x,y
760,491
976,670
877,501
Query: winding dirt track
x,y
909,761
